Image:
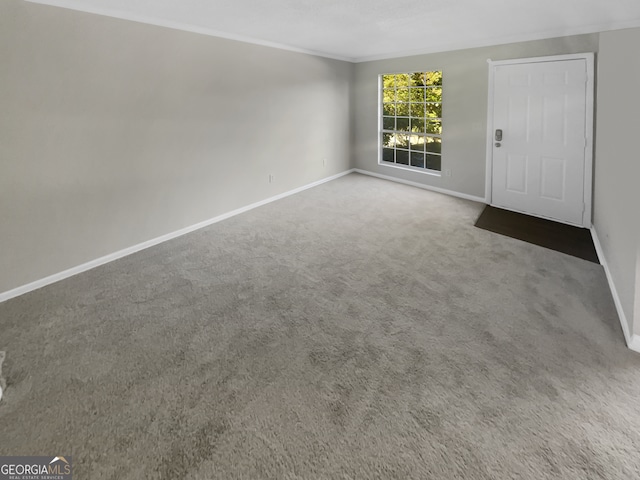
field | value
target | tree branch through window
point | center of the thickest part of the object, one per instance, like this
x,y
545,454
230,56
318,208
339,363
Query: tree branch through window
x,y
412,119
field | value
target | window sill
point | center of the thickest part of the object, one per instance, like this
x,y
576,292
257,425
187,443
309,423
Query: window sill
x,y
432,173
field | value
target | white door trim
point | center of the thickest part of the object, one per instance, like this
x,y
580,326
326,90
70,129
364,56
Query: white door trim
x,y
588,158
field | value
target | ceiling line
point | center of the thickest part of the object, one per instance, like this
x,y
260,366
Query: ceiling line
x,y
150,20
547,34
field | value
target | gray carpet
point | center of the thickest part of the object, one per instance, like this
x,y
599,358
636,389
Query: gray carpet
x,y
361,329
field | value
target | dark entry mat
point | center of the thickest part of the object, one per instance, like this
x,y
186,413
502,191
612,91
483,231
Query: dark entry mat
x,y
539,231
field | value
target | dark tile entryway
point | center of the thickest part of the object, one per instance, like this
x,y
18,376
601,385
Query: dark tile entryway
x,y
563,238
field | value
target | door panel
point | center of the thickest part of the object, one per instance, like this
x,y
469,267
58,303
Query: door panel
x,y
553,178
517,173
539,166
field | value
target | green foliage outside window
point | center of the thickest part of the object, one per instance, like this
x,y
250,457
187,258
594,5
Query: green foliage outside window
x,y
412,119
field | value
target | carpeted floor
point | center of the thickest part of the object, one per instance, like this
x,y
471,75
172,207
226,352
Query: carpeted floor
x,y
358,330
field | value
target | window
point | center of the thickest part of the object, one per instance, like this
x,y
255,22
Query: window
x,y
411,120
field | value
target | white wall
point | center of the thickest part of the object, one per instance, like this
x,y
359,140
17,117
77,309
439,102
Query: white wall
x,y
617,163
114,132
465,78
636,308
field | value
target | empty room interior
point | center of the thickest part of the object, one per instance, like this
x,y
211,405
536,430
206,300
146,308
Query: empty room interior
x,y
245,239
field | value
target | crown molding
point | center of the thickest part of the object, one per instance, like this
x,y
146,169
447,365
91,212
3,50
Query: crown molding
x,y
150,20
502,40
433,48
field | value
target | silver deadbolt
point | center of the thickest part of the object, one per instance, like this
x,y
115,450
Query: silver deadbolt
x,y
498,135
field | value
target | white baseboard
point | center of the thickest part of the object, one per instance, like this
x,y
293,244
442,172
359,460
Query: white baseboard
x,y
634,344
56,277
633,341
422,185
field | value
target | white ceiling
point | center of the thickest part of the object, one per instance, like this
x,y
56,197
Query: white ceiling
x,y
359,30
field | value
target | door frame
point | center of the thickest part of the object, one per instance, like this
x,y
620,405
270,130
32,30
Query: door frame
x,y
589,129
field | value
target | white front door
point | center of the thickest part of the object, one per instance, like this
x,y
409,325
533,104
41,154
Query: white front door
x,y
540,139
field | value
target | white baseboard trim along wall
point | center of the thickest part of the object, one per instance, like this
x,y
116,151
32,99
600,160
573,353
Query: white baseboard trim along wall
x,y
56,277
633,341
421,185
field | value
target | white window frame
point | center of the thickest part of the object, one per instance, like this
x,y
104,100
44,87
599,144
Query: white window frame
x,y
426,171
